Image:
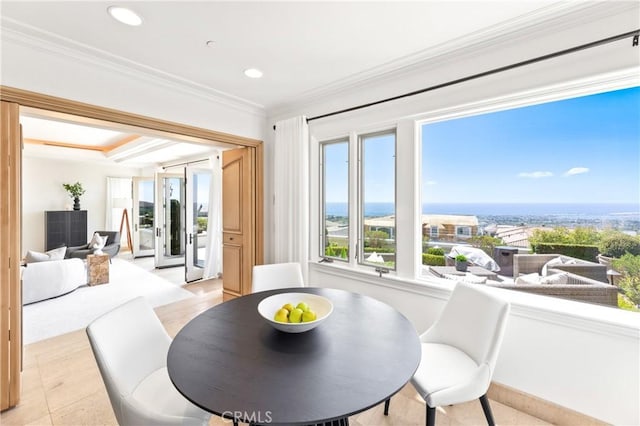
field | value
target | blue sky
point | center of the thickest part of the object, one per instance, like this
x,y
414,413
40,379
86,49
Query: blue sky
x,y
581,150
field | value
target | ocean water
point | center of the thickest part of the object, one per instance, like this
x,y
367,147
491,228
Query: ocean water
x,y
621,216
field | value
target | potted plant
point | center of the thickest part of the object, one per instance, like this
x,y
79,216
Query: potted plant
x,y
461,263
75,190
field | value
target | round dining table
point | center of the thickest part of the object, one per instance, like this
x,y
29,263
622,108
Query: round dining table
x,y
231,362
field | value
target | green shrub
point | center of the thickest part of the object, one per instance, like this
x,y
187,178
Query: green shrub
x,y
629,266
562,235
334,250
626,304
432,259
617,244
380,249
584,252
202,223
461,258
437,251
486,243
630,285
375,238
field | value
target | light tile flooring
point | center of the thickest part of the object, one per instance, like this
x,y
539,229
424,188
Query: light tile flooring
x,y
62,384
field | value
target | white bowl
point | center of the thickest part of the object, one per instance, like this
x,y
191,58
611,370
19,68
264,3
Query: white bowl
x,y
270,305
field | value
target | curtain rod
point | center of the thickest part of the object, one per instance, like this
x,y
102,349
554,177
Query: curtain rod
x,y
187,163
634,33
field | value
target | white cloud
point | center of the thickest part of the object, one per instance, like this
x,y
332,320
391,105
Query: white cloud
x,y
431,182
535,175
576,171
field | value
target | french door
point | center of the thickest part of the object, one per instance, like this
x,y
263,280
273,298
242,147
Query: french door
x,y
144,240
170,220
198,184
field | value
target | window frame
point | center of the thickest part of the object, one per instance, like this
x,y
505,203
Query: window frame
x,y
322,216
360,254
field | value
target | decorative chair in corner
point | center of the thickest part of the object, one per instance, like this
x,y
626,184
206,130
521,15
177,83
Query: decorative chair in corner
x,y
112,247
459,351
276,275
130,346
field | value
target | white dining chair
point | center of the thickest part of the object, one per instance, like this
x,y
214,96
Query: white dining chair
x,y
130,346
459,351
276,275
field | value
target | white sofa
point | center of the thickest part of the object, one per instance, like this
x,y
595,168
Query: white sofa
x,y
44,280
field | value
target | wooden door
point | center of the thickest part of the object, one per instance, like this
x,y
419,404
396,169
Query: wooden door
x,y
10,249
238,221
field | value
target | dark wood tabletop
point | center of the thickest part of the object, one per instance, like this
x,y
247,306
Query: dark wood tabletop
x,y
230,361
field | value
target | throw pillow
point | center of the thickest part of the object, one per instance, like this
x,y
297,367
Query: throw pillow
x,y
561,278
530,279
53,254
550,264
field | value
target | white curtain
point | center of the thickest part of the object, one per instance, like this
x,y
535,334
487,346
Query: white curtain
x,y
213,252
291,192
117,189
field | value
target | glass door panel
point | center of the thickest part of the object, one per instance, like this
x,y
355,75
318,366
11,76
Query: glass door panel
x,y
170,214
198,181
143,217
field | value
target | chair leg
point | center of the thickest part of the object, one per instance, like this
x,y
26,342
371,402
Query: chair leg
x,y
386,406
487,410
431,415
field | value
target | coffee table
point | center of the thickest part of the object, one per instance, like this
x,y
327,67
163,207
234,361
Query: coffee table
x,y
231,362
440,271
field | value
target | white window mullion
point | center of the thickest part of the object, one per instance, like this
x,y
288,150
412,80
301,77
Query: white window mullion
x,y
408,209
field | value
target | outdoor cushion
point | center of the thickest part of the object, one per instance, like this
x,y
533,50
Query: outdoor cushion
x,y
560,278
467,278
532,279
551,264
535,279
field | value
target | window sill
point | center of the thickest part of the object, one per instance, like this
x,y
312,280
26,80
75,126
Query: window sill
x,y
578,315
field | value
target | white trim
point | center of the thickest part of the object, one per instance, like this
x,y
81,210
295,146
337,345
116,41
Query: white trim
x,y
48,42
583,87
554,18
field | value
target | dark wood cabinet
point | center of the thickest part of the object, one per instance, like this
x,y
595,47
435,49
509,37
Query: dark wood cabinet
x,y
65,228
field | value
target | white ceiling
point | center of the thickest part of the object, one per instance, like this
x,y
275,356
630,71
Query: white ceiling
x,y
302,47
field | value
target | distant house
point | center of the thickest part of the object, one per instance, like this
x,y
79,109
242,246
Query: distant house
x,y
448,227
436,226
515,236
385,224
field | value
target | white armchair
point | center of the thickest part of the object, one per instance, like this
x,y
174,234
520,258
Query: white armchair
x,y
460,350
130,346
277,275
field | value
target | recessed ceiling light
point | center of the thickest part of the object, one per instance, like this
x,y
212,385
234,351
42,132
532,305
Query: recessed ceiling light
x,y
253,73
124,15
211,43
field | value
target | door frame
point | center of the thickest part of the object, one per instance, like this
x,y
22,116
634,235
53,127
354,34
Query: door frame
x,y
89,114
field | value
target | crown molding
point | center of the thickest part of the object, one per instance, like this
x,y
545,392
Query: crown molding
x,y
35,38
555,18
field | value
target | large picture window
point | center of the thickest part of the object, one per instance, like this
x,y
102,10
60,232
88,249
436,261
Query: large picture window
x,y
560,178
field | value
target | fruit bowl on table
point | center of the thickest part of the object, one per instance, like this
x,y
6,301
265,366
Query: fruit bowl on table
x,y
270,305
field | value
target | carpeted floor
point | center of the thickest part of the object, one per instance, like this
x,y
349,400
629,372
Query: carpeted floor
x,y
77,309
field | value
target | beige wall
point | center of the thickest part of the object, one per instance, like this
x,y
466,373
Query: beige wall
x,y
42,180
